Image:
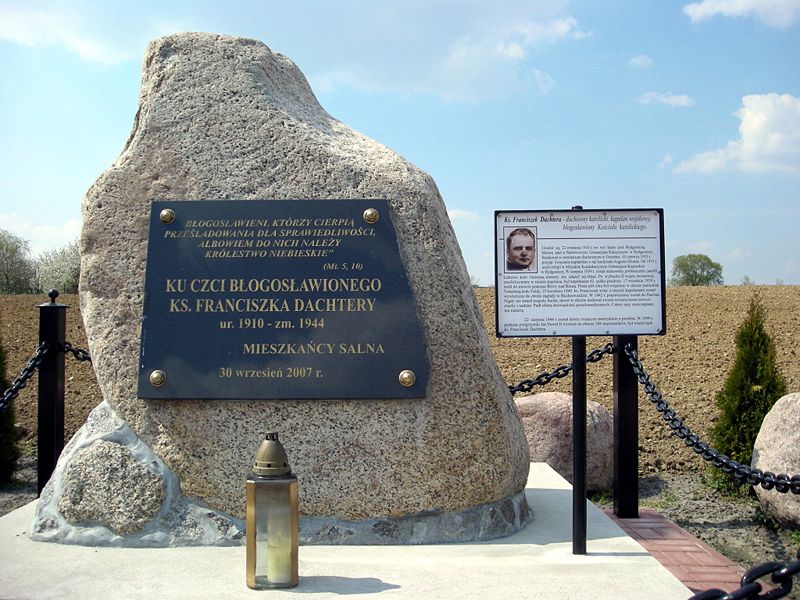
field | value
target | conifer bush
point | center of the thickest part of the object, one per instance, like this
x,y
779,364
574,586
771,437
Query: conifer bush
x,y
9,452
753,385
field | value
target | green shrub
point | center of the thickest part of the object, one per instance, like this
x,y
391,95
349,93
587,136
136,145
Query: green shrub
x,y
753,385
9,453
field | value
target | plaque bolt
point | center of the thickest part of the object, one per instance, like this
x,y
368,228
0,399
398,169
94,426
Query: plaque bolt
x,y
371,216
407,378
167,216
158,378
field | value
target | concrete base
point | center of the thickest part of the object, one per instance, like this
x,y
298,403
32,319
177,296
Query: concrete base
x,y
536,562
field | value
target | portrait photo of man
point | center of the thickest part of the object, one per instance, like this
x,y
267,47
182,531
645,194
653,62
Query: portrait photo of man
x,y
521,250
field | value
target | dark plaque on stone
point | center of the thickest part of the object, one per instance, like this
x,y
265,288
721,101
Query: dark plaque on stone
x,y
268,299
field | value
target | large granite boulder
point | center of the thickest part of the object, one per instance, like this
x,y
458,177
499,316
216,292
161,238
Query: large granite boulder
x,y
777,449
547,418
110,489
226,118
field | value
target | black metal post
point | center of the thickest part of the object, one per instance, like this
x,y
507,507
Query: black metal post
x,y
626,431
52,329
579,445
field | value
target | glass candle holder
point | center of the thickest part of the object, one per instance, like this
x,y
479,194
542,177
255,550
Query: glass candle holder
x,y
272,519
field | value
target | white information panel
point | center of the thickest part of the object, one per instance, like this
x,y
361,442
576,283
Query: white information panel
x,y
580,272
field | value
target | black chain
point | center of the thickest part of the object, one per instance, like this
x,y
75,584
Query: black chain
x,y
743,473
27,372
781,576
22,379
526,385
79,353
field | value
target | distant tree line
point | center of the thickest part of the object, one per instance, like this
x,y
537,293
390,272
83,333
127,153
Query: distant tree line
x,y
695,269
22,273
699,269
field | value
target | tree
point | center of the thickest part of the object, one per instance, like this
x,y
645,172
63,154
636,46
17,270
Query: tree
x,y
59,269
747,281
16,266
695,269
753,385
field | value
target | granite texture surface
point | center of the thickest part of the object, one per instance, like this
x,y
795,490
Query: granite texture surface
x,y
547,418
110,489
777,449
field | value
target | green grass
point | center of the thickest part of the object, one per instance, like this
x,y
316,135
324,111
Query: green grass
x,y
603,498
666,499
28,447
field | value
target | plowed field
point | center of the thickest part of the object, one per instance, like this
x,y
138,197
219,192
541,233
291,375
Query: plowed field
x,y
689,364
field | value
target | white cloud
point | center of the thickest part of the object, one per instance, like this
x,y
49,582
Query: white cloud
x,y
485,62
482,52
42,236
34,27
551,31
510,49
769,139
544,83
641,61
456,214
705,162
666,161
461,51
667,99
775,13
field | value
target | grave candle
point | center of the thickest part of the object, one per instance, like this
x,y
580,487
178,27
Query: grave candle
x,y
272,518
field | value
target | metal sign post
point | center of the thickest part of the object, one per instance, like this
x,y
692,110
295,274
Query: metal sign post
x,y
579,444
52,329
626,431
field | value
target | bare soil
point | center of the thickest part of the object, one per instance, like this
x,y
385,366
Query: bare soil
x,y
689,365
19,334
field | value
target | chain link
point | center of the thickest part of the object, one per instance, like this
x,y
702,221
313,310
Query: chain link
x,y
22,379
27,372
526,385
79,353
781,575
743,473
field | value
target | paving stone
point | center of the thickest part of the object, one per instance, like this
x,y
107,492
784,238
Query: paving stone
x,y
698,566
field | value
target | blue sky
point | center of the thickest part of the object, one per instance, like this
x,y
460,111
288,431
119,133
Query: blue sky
x,y
509,105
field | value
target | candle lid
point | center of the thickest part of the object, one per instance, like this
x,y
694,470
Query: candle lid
x,y
271,459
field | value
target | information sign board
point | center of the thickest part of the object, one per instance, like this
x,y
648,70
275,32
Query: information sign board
x,y
580,272
278,299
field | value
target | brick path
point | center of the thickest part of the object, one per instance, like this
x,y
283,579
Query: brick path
x,y
697,565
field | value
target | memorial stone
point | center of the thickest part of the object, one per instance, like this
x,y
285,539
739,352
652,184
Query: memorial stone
x,y
226,119
547,418
777,450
